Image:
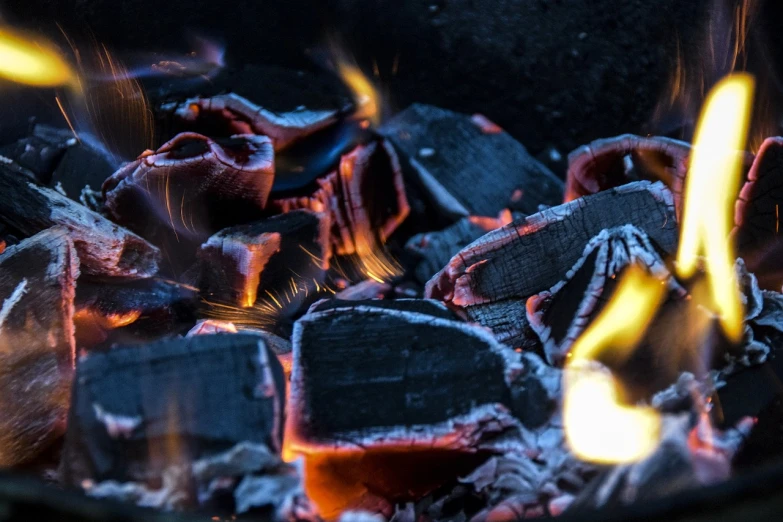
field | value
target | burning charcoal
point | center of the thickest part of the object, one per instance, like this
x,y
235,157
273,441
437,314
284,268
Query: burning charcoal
x,y
561,314
240,264
147,308
193,185
505,267
364,197
469,166
104,248
372,376
225,115
757,215
435,249
137,410
689,456
37,280
612,162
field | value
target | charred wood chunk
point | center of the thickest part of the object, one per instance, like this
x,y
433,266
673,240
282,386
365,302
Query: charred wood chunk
x,y
534,254
612,162
148,307
37,283
435,249
225,115
467,166
364,198
138,409
193,185
757,215
561,314
104,248
240,264
380,378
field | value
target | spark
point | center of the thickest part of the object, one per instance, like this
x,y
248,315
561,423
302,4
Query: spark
x,y
67,119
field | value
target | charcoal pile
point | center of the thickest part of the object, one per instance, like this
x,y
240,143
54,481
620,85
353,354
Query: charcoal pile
x,y
303,314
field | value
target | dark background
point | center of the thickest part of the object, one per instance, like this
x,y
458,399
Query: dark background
x,y
552,72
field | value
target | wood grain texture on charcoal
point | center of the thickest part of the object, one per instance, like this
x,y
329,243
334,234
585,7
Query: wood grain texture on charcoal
x,y
379,377
534,253
104,249
137,409
37,281
469,166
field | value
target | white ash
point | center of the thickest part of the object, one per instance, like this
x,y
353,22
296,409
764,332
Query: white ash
x,y
13,299
245,457
172,496
360,516
116,425
92,199
282,491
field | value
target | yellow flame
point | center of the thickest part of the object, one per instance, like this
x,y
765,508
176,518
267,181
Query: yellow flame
x,y
32,61
710,192
364,92
597,427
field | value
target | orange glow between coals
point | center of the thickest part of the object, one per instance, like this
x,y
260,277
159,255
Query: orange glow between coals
x,y
710,192
597,427
32,62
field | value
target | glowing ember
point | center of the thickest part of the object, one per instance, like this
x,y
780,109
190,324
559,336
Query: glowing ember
x,y
597,427
710,191
32,61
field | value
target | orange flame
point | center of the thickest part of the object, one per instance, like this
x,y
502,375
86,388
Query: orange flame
x,y
597,427
710,192
365,93
33,61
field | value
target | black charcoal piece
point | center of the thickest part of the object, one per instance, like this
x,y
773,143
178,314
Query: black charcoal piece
x,y
533,254
61,161
240,264
421,306
383,377
37,155
84,164
467,165
435,249
104,249
138,409
37,281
